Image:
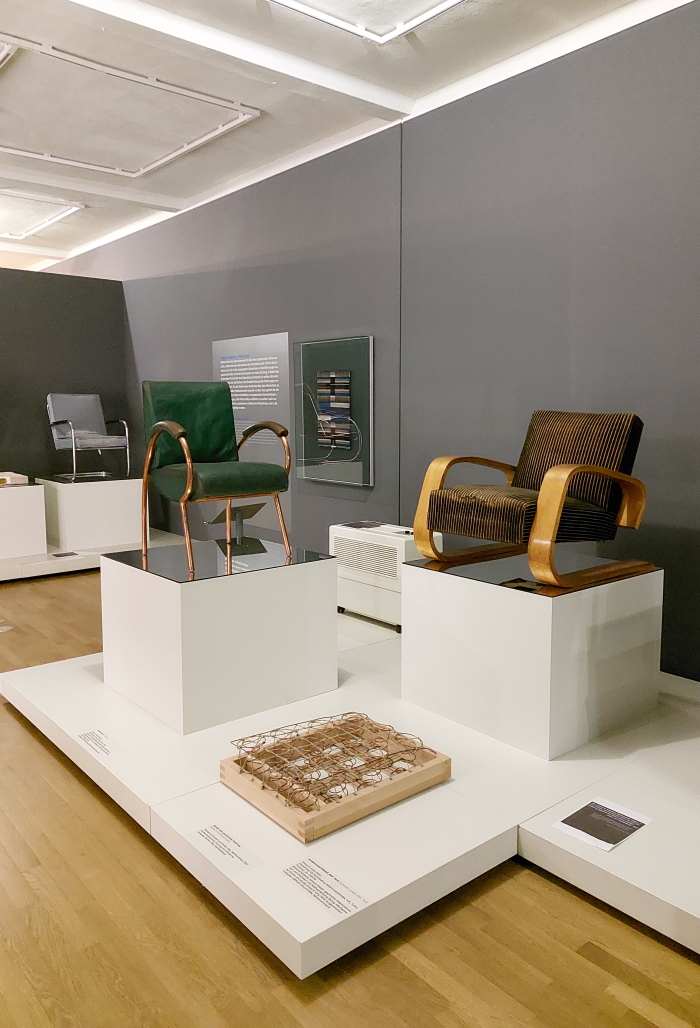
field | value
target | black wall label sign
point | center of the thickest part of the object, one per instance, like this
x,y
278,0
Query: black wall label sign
x,y
602,823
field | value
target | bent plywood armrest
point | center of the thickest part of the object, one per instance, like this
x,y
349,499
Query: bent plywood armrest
x,y
552,494
434,479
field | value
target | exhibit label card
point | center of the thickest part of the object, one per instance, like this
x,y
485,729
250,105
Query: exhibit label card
x,y
339,899
223,850
101,744
602,823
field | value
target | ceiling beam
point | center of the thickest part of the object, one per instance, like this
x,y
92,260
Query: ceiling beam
x,y
14,246
160,20
88,187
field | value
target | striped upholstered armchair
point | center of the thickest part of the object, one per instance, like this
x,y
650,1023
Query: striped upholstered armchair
x,y
572,483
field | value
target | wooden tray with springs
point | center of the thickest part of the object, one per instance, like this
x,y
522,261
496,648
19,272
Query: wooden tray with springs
x,y
314,777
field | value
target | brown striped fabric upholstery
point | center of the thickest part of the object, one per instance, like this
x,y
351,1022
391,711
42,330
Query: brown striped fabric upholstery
x,y
506,513
563,437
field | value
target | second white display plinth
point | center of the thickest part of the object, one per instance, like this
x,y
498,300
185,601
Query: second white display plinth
x,y
22,529
200,653
92,515
543,673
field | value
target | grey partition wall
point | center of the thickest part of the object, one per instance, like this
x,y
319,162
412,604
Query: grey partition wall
x,y
551,231
58,334
313,252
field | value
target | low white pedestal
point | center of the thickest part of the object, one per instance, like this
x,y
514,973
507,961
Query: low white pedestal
x,y
370,555
22,526
93,515
407,856
545,674
199,653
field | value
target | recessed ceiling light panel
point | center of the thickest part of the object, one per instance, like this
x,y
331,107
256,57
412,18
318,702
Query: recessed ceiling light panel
x,y
138,120
22,216
352,16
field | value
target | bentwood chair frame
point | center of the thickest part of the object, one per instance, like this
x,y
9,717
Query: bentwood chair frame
x,y
178,433
550,497
540,548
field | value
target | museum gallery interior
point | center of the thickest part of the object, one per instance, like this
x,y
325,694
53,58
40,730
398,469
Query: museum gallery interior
x,y
349,514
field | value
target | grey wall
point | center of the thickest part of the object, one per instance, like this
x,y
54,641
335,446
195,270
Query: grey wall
x,y
313,252
56,335
551,231
548,231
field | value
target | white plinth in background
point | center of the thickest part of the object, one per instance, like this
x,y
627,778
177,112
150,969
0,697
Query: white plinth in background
x,y
545,674
22,525
199,653
92,515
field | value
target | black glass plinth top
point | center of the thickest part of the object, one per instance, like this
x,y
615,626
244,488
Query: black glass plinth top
x,y
210,559
83,477
514,572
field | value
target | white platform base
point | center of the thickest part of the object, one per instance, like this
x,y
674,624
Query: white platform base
x,y
654,875
99,515
197,654
398,860
22,526
546,674
48,563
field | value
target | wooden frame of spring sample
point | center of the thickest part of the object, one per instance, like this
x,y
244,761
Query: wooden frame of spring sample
x,y
295,792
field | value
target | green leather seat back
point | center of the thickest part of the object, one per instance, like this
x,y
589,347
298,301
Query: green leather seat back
x,y
224,478
203,409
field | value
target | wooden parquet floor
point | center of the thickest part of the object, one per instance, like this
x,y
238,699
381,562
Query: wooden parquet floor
x,y
100,928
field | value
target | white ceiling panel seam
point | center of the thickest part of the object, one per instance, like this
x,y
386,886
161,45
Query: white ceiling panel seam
x,y
242,112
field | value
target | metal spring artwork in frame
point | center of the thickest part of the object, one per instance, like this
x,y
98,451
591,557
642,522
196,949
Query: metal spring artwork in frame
x,y
324,760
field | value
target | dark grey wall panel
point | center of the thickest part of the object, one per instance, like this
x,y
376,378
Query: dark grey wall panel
x,y
551,227
323,262
57,335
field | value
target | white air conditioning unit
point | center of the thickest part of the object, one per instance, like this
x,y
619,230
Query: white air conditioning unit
x,y
369,555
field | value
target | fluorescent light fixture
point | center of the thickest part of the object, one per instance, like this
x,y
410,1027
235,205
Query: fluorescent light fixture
x,y
401,29
23,215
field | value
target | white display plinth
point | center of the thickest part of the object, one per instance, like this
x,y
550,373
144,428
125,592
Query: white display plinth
x,y
22,524
543,673
57,562
92,515
199,653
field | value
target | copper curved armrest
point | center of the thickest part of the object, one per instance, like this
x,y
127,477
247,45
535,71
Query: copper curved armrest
x,y
280,431
179,433
273,426
434,479
550,503
171,427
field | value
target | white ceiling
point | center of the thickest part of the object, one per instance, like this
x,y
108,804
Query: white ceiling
x,y
131,112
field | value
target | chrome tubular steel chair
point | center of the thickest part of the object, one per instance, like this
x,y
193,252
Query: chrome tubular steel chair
x,y
192,455
78,423
572,483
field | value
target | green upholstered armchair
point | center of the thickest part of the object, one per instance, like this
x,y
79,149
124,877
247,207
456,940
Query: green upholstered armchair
x,y
572,483
192,455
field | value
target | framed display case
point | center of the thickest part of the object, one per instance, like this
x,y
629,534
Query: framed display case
x,y
333,392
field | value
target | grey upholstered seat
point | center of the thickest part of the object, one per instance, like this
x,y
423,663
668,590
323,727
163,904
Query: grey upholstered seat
x,y
78,423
